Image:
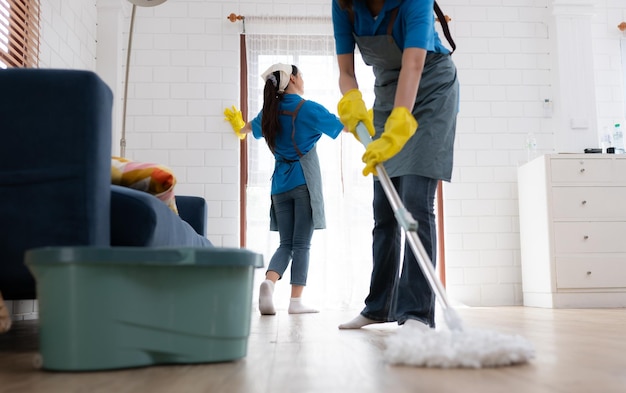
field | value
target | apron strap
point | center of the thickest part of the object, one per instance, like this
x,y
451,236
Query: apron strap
x,y
293,115
392,20
444,27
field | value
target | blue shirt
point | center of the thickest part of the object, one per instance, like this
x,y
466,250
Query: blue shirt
x,y
414,26
312,121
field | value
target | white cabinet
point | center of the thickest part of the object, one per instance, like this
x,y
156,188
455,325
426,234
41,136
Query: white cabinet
x,y
572,210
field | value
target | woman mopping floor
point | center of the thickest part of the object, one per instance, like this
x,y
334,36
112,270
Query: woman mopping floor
x,y
417,344
416,81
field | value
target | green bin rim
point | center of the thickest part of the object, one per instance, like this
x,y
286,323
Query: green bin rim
x,y
158,256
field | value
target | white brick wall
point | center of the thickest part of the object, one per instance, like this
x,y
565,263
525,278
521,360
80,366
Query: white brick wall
x,y
607,61
22,310
185,71
68,32
503,81
505,73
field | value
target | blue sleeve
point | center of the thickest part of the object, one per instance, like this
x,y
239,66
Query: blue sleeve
x,y
417,27
256,126
318,118
342,29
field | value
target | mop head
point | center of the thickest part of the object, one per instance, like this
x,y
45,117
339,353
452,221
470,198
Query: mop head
x,y
423,347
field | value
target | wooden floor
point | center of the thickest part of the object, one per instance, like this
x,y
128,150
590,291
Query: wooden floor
x,y
576,351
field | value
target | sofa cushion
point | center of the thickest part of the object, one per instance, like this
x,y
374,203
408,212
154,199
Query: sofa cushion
x,y
154,179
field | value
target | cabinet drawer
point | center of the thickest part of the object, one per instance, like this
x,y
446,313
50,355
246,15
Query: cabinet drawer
x,y
581,170
589,237
591,272
589,202
619,169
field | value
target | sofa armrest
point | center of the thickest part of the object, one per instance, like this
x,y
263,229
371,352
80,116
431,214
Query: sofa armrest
x,y
139,219
193,209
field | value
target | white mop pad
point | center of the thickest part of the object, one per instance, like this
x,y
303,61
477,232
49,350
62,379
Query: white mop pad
x,y
468,348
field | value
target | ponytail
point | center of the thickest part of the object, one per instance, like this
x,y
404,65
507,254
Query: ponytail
x,y
270,124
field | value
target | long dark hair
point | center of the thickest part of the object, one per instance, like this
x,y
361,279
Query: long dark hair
x,y
270,126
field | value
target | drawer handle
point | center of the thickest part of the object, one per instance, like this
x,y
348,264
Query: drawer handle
x,y
589,273
586,237
582,170
584,203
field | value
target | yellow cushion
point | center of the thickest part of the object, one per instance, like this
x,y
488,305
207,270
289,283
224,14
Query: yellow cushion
x,y
155,179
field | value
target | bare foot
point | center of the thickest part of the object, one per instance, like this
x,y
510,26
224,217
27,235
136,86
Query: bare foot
x,y
5,318
358,323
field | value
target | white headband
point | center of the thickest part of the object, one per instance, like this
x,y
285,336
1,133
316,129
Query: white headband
x,y
285,72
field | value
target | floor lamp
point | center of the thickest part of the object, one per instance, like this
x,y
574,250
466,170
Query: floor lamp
x,y
135,3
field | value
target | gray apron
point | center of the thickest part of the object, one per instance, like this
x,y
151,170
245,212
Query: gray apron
x,y
310,164
313,175
429,152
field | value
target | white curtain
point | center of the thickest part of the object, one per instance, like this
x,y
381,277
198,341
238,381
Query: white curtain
x,y
340,263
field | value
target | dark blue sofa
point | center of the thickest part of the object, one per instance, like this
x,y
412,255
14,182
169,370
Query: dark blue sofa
x,y
55,177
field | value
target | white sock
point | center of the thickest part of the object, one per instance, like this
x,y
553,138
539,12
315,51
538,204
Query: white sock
x,y
358,323
296,307
266,293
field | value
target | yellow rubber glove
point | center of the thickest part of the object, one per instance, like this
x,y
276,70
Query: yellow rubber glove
x,y
400,126
352,110
234,117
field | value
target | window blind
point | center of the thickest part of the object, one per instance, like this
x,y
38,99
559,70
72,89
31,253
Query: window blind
x,y
19,33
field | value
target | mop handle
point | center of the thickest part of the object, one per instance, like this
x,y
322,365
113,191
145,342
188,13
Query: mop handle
x,y
409,224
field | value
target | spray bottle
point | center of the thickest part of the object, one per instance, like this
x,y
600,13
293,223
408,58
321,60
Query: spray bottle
x,y
618,139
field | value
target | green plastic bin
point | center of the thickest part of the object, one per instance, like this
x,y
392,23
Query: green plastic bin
x,y
109,308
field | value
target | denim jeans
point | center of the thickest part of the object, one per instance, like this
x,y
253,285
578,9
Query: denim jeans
x,y
295,227
394,295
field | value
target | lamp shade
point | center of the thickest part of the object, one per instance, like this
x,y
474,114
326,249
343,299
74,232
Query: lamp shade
x,y
147,3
